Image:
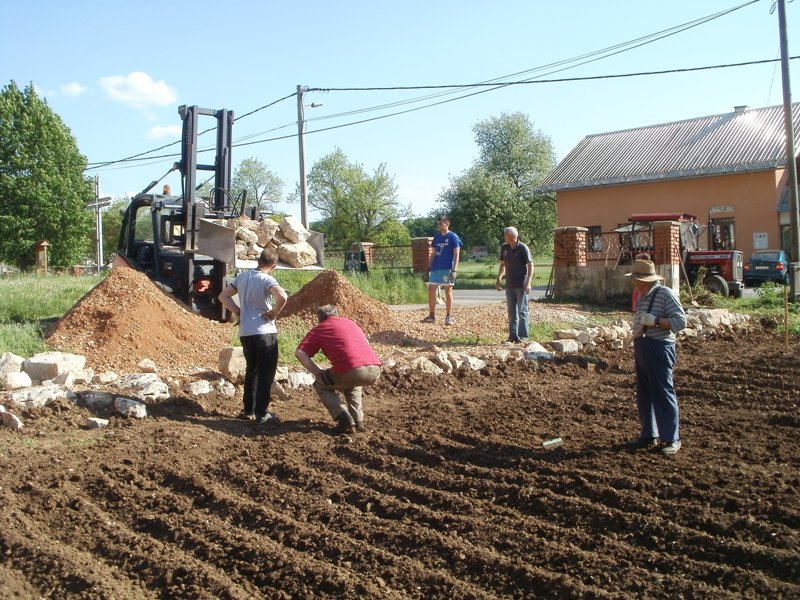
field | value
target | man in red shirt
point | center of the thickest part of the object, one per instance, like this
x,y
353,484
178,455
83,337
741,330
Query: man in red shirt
x,y
353,364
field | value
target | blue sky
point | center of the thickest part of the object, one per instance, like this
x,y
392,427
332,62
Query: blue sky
x,y
117,71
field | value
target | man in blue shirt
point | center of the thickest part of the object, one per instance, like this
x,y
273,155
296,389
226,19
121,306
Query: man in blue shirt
x,y
442,268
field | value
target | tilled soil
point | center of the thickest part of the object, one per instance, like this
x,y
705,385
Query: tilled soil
x,y
449,494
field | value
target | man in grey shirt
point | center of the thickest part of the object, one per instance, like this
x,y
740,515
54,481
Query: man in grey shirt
x,y
516,264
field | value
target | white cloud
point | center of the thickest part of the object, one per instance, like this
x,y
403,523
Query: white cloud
x,y
138,90
73,89
162,131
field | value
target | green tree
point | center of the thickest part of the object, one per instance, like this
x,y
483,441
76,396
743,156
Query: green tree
x,y
354,205
43,190
112,223
500,188
421,226
264,188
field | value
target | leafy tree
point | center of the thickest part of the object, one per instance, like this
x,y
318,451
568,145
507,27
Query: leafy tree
x,y
500,188
354,205
43,190
264,188
112,223
421,226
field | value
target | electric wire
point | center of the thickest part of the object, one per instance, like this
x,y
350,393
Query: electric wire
x,y
449,89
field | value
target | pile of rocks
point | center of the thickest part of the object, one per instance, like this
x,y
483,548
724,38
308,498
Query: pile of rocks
x,y
288,239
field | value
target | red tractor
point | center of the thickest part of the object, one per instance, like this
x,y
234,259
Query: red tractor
x,y
722,269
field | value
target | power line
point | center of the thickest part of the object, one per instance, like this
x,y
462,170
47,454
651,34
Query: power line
x,y
489,85
99,165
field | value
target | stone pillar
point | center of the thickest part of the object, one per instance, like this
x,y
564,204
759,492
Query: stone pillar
x,y
421,251
570,247
667,252
369,252
569,262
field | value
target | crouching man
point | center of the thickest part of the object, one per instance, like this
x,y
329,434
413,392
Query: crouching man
x,y
354,364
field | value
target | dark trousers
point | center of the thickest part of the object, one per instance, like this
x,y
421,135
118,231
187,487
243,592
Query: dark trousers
x,y
656,401
261,357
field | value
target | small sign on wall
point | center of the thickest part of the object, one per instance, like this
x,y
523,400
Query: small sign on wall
x,y
760,241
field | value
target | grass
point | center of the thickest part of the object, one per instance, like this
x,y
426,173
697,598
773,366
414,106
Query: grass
x,y
28,303
481,273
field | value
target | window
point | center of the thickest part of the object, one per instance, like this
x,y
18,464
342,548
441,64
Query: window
x,y
594,238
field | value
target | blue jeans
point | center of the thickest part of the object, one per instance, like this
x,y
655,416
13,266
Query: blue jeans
x,y
656,401
517,302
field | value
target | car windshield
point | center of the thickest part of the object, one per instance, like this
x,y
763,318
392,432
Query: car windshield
x,y
776,256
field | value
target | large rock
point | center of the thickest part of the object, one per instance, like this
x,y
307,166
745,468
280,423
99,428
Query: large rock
x,y
535,351
278,392
423,365
144,386
36,397
442,360
49,365
232,364
10,363
96,400
15,380
566,346
248,236
301,254
471,363
266,231
293,229
130,408
298,379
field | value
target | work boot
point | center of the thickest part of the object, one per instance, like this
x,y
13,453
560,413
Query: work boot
x,y
344,424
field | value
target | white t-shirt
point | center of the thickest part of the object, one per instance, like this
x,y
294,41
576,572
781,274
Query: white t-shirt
x,y
253,287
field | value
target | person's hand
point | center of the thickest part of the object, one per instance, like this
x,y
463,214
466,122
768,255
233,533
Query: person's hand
x,y
497,284
452,277
649,320
426,277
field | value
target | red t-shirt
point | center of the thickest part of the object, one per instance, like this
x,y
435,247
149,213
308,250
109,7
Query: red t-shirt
x,y
343,342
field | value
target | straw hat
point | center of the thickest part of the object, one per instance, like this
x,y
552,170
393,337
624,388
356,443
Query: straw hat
x,y
644,270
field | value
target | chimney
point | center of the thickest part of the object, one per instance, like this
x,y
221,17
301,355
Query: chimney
x,y
741,108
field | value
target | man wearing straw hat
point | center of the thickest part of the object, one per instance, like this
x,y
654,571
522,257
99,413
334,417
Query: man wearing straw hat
x,y
659,316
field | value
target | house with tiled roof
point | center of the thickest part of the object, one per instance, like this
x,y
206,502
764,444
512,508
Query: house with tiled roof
x,y
728,170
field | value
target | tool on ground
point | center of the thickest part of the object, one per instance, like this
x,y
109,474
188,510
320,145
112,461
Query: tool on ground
x,y
559,441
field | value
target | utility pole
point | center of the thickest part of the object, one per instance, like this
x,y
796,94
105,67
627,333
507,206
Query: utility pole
x,y
791,160
301,144
98,221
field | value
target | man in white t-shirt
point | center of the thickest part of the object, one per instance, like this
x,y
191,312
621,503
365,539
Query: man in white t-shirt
x,y
261,300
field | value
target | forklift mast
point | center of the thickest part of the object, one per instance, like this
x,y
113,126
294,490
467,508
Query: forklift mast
x,y
189,168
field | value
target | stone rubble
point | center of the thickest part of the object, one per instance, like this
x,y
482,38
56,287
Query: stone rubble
x,y
128,395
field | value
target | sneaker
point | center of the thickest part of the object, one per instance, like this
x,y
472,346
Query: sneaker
x,y
429,319
448,320
512,340
641,443
344,424
671,448
269,418
246,416
360,427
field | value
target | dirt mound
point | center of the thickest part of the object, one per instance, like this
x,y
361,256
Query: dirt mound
x,y
331,288
126,318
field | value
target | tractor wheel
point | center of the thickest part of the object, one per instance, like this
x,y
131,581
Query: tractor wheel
x,y
716,285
